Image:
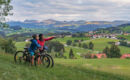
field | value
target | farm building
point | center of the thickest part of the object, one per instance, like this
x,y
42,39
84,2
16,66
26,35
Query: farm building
x,y
99,56
124,56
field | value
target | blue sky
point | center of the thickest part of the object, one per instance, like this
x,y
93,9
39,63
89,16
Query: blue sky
x,y
71,10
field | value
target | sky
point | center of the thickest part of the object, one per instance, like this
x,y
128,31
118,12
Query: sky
x,y
68,10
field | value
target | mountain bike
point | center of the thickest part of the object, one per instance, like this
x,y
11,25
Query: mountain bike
x,y
42,55
25,57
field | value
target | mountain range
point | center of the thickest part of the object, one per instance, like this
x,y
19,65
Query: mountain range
x,y
70,26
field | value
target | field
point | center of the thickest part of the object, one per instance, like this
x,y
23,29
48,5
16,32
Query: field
x,y
69,69
125,36
99,45
126,29
66,69
63,40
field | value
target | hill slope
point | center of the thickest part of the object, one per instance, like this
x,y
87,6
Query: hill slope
x,y
10,70
119,29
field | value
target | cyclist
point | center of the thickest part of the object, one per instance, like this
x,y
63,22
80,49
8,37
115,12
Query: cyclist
x,y
34,46
42,41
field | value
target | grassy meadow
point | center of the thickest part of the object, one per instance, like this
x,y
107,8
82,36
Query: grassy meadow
x,y
125,36
69,69
66,69
99,45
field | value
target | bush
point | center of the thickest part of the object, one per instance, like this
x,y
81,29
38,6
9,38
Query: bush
x,y
85,45
7,45
69,42
55,45
91,45
95,57
107,51
80,45
71,54
76,40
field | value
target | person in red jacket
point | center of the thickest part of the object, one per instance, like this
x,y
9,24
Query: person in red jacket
x,y
42,41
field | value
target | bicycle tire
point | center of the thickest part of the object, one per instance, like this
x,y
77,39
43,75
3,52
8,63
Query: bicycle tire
x,y
15,56
52,65
36,59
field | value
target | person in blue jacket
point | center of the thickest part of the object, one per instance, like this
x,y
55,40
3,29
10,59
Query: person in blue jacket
x,y
34,46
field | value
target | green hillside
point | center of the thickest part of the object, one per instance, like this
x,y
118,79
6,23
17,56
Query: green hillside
x,y
100,44
127,37
118,29
78,69
126,29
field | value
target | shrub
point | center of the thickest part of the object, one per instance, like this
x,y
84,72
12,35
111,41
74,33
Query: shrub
x,y
85,45
91,45
95,57
69,42
107,51
71,54
7,45
55,45
76,40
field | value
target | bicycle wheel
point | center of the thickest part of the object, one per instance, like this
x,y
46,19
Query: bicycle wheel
x,y
45,61
51,60
19,57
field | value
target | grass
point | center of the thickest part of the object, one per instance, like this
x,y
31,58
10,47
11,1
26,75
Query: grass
x,y
63,40
100,44
114,66
78,69
125,36
126,29
20,45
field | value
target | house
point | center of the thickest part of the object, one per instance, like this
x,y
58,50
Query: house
x,y
117,43
124,56
27,40
99,56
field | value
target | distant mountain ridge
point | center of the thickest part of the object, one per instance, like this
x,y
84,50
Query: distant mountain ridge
x,y
76,26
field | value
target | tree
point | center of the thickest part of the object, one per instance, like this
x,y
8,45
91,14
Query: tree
x,y
69,42
114,51
76,40
71,54
80,44
85,45
7,45
91,45
61,53
107,51
55,45
5,9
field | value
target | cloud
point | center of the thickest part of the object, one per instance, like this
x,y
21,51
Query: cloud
x,y
71,9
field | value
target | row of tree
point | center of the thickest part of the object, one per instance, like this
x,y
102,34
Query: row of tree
x,y
83,45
